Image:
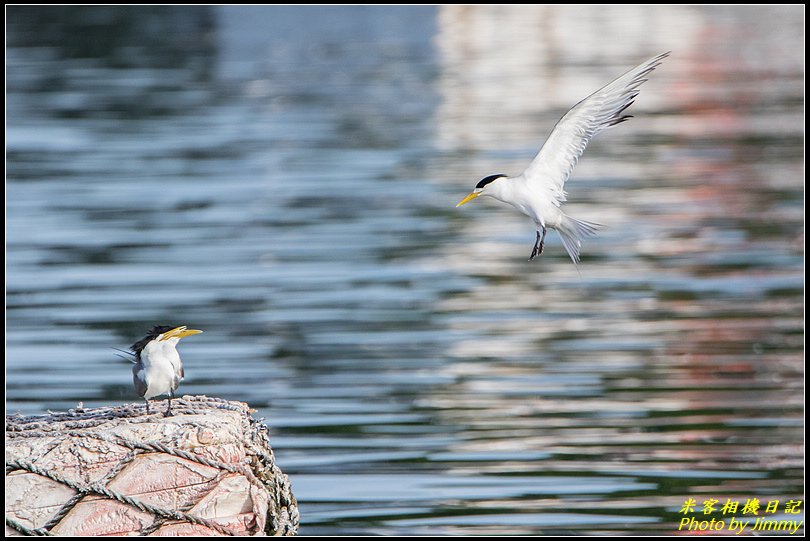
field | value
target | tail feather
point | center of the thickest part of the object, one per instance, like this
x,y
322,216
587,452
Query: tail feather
x,y
572,232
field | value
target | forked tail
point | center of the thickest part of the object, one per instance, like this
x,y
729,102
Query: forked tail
x,y
572,231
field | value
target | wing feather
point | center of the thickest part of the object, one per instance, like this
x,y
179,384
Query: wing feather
x,y
604,108
140,385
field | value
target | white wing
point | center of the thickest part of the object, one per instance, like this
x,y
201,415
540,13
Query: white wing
x,y
559,154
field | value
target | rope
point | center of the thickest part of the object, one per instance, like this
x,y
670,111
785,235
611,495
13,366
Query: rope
x,y
159,448
64,510
24,530
81,418
74,423
68,505
101,490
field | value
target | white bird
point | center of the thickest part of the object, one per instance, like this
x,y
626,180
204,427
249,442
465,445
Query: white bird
x,y
158,369
538,192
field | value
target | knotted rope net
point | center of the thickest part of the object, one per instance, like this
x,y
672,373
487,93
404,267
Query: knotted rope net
x,y
207,470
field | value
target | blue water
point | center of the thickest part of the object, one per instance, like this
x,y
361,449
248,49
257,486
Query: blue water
x,y
285,178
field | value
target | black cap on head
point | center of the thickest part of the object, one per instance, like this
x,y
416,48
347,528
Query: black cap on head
x,y
153,333
487,180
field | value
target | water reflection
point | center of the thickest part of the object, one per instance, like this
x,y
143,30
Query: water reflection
x,y
286,181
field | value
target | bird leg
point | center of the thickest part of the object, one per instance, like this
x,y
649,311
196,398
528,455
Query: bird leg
x,y
169,409
147,404
538,244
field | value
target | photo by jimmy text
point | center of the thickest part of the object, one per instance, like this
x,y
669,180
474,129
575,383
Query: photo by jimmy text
x,y
741,519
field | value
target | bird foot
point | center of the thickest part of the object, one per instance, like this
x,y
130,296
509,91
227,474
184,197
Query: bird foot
x,y
538,244
169,407
536,251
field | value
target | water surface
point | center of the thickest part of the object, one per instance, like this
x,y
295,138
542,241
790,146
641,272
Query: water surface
x,y
285,179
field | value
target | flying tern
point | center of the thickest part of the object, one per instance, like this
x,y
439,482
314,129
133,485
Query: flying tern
x,y
538,191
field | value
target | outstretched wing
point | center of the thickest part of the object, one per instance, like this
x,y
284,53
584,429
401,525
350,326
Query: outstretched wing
x,y
553,164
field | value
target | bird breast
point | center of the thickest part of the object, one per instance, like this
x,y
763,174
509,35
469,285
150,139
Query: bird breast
x,y
536,204
162,367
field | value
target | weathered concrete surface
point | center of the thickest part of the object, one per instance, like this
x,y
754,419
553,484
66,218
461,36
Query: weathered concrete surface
x,y
207,470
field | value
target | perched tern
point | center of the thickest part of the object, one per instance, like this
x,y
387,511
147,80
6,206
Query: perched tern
x,y
538,191
158,369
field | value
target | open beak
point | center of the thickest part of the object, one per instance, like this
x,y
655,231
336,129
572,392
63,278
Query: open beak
x,y
469,198
179,332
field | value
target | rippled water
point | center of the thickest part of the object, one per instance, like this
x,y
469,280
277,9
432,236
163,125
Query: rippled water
x,y
285,179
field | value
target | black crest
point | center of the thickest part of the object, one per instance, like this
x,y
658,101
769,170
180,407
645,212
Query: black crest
x,y
487,180
153,333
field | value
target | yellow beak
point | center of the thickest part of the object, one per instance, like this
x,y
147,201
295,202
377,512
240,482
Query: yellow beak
x,y
179,332
468,198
